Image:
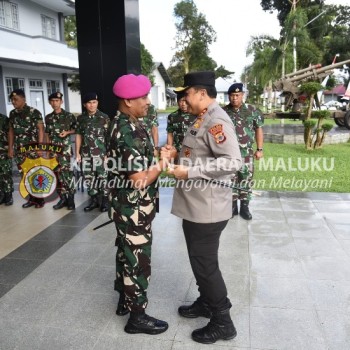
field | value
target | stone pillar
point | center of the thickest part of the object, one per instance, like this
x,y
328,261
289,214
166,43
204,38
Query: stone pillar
x,y
108,36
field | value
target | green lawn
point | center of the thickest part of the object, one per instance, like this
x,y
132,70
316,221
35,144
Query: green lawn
x,y
288,167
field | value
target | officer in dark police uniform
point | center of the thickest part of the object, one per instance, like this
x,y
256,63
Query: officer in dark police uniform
x,y
133,201
248,121
26,126
59,126
210,153
6,181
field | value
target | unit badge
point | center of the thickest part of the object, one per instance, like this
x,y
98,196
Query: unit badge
x,y
218,132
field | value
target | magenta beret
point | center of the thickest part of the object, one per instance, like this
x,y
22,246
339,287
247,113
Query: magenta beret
x,y
132,86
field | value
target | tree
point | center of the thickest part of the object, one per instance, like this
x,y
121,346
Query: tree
x,y
147,64
193,37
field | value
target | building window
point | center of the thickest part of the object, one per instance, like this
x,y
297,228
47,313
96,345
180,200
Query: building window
x,y
52,86
36,83
49,27
13,84
9,15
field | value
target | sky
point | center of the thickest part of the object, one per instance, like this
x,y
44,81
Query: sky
x,y
235,22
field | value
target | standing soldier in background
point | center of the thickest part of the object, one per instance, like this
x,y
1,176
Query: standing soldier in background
x,y
26,126
90,150
59,125
178,122
6,181
248,121
150,124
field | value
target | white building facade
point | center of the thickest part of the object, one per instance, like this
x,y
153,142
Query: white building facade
x,y
33,52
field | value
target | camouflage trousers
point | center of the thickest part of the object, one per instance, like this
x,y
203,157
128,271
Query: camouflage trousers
x,y
133,258
243,178
96,177
6,180
64,176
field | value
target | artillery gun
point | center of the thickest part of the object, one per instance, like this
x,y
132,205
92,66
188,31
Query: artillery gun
x,y
289,85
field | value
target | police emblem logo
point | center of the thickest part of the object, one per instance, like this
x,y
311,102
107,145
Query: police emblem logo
x,y
39,179
237,90
218,132
187,153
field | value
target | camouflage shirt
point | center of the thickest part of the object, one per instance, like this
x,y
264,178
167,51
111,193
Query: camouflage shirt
x,y
55,123
246,120
132,150
178,123
25,125
4,129
93,129
150,121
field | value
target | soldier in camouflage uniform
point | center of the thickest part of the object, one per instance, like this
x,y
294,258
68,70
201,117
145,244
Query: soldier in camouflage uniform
x,y
133,201
150,124
90,143
248,121
26,126
178,122
6,181
59,125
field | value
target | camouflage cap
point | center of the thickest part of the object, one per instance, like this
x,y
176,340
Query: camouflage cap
x,y
17,92
89,97
56,94
236,87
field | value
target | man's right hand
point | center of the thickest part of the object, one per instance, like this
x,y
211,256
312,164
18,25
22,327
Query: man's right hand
x,y
78,158
10,152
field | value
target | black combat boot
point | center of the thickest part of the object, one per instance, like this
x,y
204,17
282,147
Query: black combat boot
x,y
219,327
92,204
70,202
31,202
244,212
8,199
140,322
39,203
104,204
2,198
122,309
234,207
61,203
197,309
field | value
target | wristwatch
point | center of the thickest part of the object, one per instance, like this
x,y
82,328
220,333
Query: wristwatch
x,y
259,149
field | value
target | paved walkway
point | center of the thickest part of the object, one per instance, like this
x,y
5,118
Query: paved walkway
x,y
287,273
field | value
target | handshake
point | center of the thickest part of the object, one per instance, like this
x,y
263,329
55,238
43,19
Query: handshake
x,y
167,155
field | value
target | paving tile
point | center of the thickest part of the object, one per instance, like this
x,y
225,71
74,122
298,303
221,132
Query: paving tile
x,y
276,266
341,231
276,328
269,228
272,246
326,268
330,295
336,327
4,288
38,250
12,271
290,293
311,230
318,247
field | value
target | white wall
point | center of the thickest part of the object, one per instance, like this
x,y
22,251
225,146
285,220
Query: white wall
x,y
158,95
30,18
29,74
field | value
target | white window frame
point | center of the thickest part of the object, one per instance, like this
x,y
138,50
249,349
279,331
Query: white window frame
x,y
36,83
9,15
13,83
48,25
52,86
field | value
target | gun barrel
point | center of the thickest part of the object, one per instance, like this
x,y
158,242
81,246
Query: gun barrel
x,y
303,70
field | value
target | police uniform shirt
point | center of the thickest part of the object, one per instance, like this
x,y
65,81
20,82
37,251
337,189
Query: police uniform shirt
x,y
211,150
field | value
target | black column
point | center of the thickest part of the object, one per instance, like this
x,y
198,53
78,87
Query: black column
x,y
108,36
